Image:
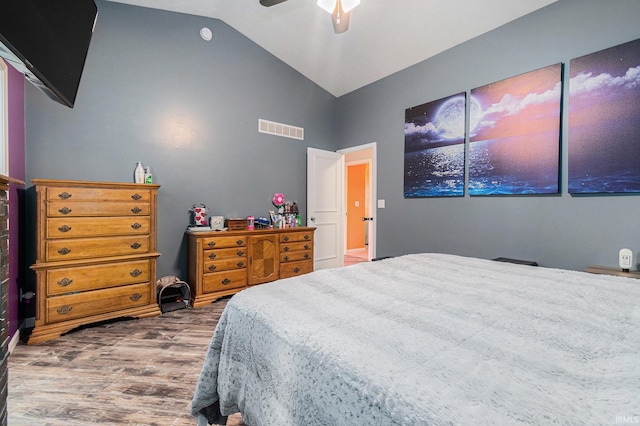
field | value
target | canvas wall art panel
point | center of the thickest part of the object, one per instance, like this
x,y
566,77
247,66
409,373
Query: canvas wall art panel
x,y
514,135
434,135
604,121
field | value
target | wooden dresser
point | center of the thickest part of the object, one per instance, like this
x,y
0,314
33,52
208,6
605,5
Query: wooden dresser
x,y
222,263
95,254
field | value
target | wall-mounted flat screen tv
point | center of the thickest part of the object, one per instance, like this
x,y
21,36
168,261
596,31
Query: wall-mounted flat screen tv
x,y
48,41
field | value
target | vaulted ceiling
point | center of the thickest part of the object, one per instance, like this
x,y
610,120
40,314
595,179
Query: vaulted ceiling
x,y
384,36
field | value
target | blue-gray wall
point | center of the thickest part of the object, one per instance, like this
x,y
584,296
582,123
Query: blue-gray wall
x,y
153,91
558,231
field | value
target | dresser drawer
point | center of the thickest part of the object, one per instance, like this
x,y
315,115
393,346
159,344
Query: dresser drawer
x,y
224,265
83,278
97,194
72,208
220,281
294,256
225,242
288,247
72,306
232,253
96,226
82,248
296,236
295,268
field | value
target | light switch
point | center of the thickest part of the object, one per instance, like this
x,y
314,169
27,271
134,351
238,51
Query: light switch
x,y
357,203
381,204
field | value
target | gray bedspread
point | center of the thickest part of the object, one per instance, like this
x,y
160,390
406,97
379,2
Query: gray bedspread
x,y
428,339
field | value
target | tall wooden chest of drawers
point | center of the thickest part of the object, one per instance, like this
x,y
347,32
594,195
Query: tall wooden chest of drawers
x,y
222,263
95,254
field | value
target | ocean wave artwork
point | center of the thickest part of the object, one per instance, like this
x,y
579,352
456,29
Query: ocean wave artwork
x,y
434,135
514,137
604,121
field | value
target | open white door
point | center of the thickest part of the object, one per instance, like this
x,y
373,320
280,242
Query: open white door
x,y
325,194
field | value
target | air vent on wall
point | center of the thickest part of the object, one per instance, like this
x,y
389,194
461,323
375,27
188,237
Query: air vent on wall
x,y
279,129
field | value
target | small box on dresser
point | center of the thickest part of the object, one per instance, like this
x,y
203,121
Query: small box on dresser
x,y
95,254
226,262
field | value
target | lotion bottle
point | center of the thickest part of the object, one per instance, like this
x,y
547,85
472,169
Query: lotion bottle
x,y
138,174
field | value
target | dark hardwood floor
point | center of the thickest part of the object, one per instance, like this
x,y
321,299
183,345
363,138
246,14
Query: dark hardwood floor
x,y
131,372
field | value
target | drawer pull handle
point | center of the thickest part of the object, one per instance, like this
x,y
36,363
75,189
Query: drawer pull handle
x,y
64,282
212,243
212,256
225,281
306,255
239,242
135,297
240,253
286,238
286,258
286,248
136,196
212,267
296,270
306,246
64,228
136,226
136,210
306,236
135,273
62,310
136,246
64,251
65,210
65,195
240,264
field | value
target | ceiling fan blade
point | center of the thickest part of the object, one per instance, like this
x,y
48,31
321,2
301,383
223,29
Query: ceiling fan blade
x,y
340,19
269,3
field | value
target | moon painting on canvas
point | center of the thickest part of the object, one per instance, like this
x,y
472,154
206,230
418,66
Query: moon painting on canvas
x,y
434,135
514,141
604,121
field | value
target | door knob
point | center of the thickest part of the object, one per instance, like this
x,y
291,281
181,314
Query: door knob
x,y
312,218
364,219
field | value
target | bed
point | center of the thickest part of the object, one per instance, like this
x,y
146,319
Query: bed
x,y
427,339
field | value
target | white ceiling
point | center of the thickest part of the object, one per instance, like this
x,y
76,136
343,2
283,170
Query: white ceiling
x,y
385,36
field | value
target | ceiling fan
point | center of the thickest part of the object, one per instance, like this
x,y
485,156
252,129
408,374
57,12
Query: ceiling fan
x,y
339,10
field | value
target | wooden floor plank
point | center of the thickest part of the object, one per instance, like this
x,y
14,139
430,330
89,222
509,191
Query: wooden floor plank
x,y
131,372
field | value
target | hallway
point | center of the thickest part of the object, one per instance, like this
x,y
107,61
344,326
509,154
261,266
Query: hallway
x,y
355,256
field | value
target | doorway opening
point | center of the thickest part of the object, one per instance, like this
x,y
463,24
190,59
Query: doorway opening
x,y
357,210
359,229
327,199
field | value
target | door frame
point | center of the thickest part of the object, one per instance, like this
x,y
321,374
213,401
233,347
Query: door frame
x,y
373,189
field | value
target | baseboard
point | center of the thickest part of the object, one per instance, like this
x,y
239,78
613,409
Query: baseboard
x,y
14,341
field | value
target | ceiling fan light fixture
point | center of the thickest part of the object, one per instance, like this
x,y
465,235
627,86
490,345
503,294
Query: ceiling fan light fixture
x,y
348,5
328,5
331,5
